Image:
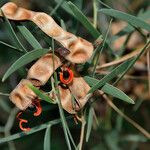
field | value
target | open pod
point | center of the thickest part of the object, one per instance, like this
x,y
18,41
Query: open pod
x,y
73,97
75,50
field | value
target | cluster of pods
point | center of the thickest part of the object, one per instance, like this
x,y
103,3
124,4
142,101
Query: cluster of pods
x,y
75,50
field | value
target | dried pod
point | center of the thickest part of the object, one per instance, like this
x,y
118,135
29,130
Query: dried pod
x,y
43,68
80,49
79,89
39,74
75,95
66,100
22,96
76,50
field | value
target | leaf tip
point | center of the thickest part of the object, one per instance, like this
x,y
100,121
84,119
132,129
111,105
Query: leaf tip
x,y
3,79
132,102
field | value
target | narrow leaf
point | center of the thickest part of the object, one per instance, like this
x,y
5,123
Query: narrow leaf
x,y
115,72
134,138
84,20
25,59
134,21
10,46
12,34
29,37
47,138
128,29
56,7
111,90
115,92
64,124
63,24
65,7
89,123
41,95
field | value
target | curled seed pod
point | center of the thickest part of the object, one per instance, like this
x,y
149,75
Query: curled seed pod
x,y
80,50
22,96
43,68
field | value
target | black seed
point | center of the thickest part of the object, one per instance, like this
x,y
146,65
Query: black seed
x,y
66,74
32,108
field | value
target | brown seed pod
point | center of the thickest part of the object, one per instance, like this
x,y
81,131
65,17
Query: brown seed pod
x,y
65,99
80,49
74,97
43,68
75,50
22,96
79,89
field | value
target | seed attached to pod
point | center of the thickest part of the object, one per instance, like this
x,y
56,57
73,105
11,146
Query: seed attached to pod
x,y
66,76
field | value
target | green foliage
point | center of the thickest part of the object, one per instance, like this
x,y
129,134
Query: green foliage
x,y
41,95
25,59
111,90
13,35
89,123
33,130
115,92
29,37
47,138
115,72
134,21
83,19
108,132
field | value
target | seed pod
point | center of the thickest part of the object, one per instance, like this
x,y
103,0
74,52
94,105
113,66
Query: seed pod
x,y
22,96
76,50
65,99
43,68
80,50
79,89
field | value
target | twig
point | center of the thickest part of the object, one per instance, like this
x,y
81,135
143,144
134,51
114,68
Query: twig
x,y
131,77
122,59
95,13
33,130
137,126
4,94
9,125
148,69
82,132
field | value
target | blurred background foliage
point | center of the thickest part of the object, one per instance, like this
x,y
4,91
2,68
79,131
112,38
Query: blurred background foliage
x,y
110,131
